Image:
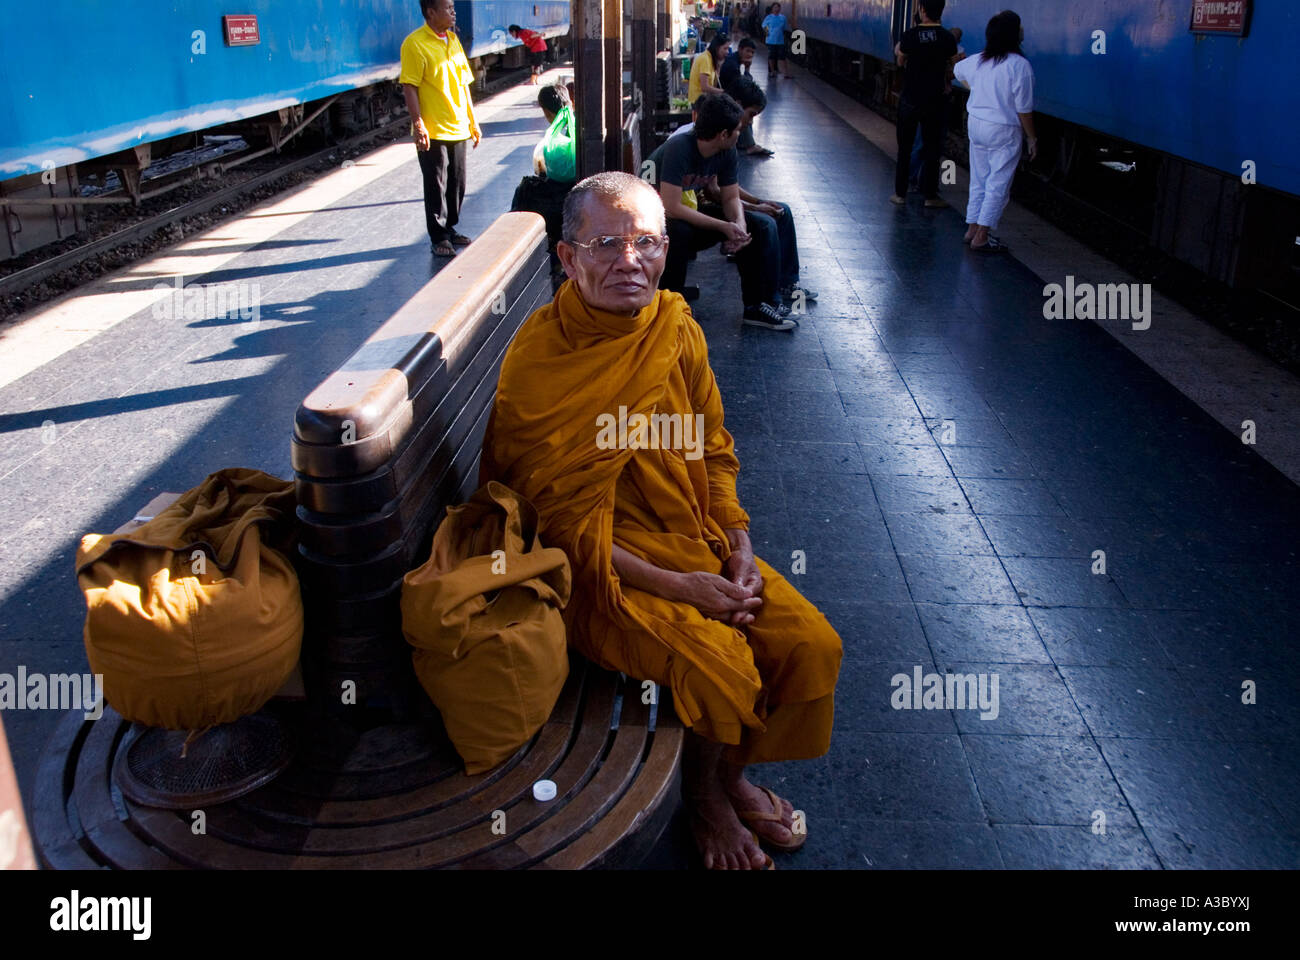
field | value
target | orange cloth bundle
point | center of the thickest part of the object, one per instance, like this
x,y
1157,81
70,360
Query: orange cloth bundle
x,y
194,618
572,367
484,616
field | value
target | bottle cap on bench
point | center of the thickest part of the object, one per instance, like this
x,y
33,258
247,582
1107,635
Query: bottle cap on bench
x,y
544,790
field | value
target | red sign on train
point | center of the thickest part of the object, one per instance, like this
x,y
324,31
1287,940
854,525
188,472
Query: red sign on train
x,y
241,30
1220,16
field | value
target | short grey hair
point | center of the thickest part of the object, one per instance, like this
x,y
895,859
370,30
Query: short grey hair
x,y
607,185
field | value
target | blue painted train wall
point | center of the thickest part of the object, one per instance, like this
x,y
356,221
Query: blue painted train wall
x,y
85,78
1218,101
482,24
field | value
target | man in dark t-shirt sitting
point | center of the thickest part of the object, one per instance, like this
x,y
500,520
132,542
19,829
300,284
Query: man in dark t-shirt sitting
x,y
693,162
925,52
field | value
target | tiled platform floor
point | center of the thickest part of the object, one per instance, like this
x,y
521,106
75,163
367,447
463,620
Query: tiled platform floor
x,y
948,461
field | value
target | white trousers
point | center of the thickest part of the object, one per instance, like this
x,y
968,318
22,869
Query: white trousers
x,y
994,154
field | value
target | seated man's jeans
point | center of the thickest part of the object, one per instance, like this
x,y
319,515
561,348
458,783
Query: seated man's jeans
x,y
759,261
789,245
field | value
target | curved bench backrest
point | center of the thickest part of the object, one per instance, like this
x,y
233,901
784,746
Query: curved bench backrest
x,y
392,438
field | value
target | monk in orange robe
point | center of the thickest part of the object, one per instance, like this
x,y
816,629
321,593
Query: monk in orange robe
x,y
608,418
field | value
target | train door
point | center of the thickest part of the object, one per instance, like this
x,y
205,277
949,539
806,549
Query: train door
x,y
904,12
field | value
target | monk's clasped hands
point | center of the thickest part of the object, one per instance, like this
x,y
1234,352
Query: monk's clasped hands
x,y
718,597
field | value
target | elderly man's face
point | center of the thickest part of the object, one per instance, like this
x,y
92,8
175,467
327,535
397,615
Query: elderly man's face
x,y
627,284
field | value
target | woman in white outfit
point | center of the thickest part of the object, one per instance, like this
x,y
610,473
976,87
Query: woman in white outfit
x,y
1001,104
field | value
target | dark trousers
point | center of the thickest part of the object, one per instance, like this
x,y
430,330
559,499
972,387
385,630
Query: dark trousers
x,y
759,261
930,119
788,242
443,168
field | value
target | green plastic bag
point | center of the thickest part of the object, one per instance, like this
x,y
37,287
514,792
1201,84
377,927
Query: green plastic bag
x,y
559,150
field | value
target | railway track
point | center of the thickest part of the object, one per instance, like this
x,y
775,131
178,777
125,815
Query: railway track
x,y
29,276
26,279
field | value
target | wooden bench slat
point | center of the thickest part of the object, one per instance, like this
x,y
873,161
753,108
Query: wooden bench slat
x,y
450,833
50,800
94,800
275,801
649,800
427,407
375,381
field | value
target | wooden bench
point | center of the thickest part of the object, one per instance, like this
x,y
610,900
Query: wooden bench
x,y
380,449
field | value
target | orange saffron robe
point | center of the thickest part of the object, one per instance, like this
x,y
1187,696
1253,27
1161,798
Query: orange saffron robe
x,y
768,688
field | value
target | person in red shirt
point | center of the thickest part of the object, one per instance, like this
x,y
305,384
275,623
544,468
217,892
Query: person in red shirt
x,y
536,45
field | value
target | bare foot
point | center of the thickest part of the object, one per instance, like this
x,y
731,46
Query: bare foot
x,y
745,798
723,841
970,233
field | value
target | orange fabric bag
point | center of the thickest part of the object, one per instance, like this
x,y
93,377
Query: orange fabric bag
x,y
483,615
194,618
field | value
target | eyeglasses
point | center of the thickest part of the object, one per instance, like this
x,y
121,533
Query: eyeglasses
x,y
647,246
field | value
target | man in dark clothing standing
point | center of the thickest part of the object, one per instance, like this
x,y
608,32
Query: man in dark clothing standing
x,y
925,52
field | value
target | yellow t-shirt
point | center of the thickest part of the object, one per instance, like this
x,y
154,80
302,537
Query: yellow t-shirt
x,y
701,66
439,70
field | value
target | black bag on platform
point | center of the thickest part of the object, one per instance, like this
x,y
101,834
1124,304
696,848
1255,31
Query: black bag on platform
x,y
545,197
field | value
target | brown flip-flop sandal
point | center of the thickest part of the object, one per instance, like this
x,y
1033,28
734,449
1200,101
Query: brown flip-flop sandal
x,y
444,249
750,817
460,240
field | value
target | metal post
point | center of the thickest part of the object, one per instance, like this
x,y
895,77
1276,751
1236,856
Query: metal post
x,y
588,82
644,48
613,84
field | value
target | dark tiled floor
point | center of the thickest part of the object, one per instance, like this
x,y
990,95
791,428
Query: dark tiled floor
x,y
951,464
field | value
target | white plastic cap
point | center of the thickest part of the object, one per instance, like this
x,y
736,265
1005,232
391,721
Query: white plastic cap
x,y
544,790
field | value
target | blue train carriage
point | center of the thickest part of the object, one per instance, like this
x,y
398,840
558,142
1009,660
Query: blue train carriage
x,y
265,72
481,25
1187,137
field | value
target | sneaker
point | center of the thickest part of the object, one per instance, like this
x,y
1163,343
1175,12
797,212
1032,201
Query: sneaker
x,y
769,317
809,296
936,203
896,199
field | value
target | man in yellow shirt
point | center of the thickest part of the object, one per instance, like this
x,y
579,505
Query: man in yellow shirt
x,y
704,68
435,78
666,586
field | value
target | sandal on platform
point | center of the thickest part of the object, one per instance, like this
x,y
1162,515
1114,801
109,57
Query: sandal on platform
x,y
750,817
444,249
460,240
